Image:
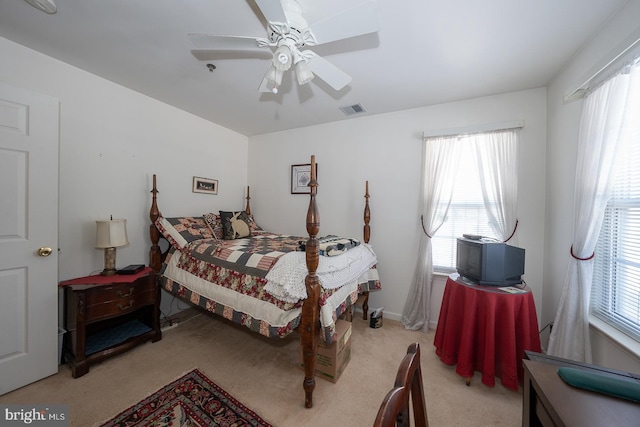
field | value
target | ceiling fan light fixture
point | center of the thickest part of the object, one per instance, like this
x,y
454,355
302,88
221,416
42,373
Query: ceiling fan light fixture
x,y
303,72
282,58
274,76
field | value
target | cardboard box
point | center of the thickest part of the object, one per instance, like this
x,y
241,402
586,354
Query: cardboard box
x,y
333,359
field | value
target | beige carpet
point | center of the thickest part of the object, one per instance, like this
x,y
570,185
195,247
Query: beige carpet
x,y
264,375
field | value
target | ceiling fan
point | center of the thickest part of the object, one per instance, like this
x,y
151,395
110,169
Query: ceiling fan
x,y
288,33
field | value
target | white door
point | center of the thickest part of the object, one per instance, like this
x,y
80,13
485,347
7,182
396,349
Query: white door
x,y
28,222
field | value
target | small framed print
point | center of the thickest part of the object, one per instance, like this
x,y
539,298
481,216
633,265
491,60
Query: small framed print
x,y
300,178
205,185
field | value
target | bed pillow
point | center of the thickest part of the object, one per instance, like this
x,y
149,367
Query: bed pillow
x,y
235,225
215,224
180,231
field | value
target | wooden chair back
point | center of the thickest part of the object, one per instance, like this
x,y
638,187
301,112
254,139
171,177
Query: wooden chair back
x,y
394,410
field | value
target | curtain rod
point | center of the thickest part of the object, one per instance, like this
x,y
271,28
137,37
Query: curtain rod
x,y
516,124
622,52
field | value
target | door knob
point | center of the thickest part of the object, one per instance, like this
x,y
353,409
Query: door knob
x,y
45,251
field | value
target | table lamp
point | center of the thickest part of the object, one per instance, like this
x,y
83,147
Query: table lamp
x,y
110,234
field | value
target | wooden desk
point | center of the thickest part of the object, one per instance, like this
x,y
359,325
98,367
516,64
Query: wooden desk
x,y
549,401
482,328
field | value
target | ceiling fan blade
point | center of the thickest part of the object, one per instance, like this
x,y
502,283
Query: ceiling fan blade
x,y
332,75
272,10
214,42
360,19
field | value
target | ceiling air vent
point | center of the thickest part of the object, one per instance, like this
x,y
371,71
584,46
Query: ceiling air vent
x,y
350,110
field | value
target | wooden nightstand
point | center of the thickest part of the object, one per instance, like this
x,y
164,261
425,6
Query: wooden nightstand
x,y
107,315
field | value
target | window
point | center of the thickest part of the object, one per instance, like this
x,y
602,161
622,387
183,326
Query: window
x,y
466,212
484,194
615,291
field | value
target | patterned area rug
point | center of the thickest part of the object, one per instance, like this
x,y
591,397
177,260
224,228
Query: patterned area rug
x,y
193,401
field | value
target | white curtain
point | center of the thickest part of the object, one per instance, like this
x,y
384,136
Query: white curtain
x,y
497,154
439,170
598,139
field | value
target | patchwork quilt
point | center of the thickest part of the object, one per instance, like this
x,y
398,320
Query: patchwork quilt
x,y
228,277
241,264
255,255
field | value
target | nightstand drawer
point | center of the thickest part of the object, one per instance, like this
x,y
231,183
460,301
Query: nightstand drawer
x,y
119,306
120,291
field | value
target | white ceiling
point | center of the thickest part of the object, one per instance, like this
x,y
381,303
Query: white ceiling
x,y
427,52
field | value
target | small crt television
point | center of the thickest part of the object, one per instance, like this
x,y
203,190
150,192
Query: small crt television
x,y
487,262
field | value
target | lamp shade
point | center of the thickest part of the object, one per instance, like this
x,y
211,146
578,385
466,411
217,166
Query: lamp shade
x,y
111,233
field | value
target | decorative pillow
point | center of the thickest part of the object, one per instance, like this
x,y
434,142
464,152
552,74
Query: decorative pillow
x,y
214,222
180,231
170,233
252,224
235,225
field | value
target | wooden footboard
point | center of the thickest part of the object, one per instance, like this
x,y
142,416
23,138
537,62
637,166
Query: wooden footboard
x,y
310,322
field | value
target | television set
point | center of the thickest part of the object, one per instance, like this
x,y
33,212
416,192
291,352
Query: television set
x,y
487,262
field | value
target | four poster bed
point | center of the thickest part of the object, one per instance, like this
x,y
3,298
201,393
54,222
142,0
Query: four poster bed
x,y
270,283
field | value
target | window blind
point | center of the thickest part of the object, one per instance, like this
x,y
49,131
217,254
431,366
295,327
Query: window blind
x,y
615,291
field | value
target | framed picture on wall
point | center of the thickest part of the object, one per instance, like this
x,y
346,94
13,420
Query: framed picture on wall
x,y
300,178
205,185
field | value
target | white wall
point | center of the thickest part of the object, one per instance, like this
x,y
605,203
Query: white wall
x,y
563,123
387,150
112,140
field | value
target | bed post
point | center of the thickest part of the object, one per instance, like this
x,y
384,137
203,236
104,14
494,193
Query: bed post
x,y
310,309
248,208
366,235
155,254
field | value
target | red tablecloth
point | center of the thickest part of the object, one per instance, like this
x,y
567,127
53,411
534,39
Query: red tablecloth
x,y
482,328
98,279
